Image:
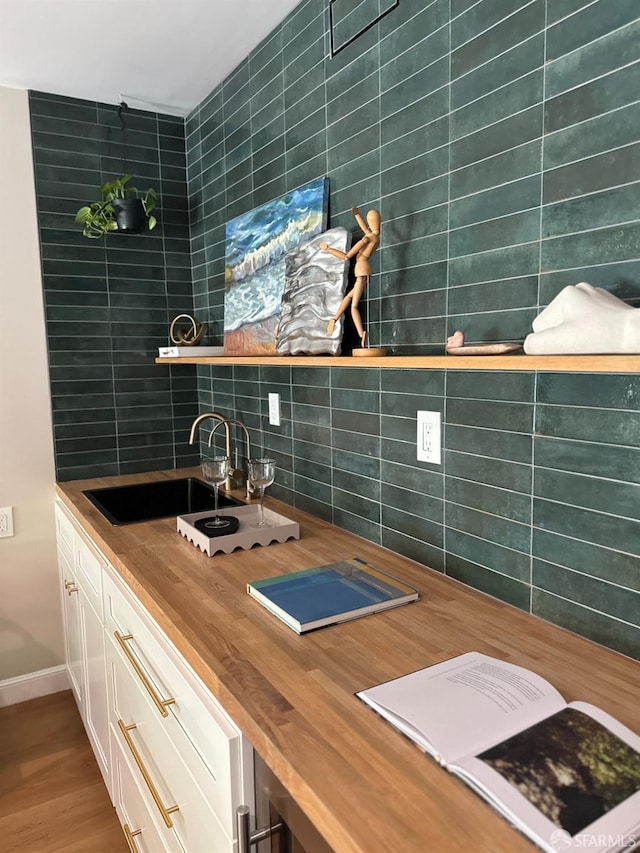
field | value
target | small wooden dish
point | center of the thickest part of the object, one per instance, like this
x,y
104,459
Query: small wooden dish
x,y
484,349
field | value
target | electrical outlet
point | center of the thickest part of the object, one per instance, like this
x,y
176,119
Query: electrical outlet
x,y
6,521
274,409
428,441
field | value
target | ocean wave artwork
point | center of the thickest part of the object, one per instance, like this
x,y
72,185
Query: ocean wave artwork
x,y
255,251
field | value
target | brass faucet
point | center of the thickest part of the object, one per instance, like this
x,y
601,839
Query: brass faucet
x,y
237,477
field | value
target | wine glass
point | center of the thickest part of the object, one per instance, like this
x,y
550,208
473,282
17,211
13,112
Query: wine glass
x,y
215,470
262,473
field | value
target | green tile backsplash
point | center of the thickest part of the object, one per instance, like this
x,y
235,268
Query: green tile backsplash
x,y
109,302
499,139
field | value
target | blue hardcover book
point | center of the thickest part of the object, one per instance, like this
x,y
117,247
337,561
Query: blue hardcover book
x,y
313,598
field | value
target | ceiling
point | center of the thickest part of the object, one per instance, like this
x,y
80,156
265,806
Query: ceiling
x,y
159,55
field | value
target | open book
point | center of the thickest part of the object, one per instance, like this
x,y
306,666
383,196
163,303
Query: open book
x,y
567,775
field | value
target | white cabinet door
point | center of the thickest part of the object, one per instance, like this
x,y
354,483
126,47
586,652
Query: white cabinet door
x,y
96,718
69,592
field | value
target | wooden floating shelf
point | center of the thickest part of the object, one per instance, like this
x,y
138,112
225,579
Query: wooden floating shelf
x,y
628,363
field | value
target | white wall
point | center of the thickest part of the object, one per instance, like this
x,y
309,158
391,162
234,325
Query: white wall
x,y
30,621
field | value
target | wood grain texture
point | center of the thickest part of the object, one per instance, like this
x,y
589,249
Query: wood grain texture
x,y
544,363
52,797
363,785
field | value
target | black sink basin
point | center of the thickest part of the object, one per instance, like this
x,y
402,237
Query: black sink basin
x,y
162,499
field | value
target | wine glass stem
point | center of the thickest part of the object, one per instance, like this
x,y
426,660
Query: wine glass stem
x,y
215,492
262,505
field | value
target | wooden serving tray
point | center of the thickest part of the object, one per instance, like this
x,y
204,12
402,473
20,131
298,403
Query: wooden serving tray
x,y
246,536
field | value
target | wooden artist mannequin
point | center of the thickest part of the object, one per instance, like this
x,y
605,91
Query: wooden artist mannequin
x,y
362,250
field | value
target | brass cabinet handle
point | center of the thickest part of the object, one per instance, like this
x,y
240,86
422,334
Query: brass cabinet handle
x,y
161,704
130,836
70,586
164,811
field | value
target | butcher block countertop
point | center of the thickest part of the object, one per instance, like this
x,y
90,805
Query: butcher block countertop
x,y
364,786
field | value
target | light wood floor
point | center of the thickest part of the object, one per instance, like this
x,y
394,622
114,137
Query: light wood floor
x,y
52,797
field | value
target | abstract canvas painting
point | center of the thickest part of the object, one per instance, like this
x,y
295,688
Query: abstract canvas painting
x,y
315,285
256,247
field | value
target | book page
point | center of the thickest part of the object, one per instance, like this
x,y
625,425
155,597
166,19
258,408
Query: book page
x,y
570,781
464,705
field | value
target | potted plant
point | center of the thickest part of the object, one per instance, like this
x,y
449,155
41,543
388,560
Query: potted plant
x,y
121,208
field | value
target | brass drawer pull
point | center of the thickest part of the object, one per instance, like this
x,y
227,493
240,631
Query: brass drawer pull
x,y
130,836
161,704
164,811
70,586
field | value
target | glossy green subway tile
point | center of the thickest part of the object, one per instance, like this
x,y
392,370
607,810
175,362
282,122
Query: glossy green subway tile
x,y
425,166
356,441
310,504
617,498
597,390
515,476
419,252
607,245
508,166
356,379
486,525
617,89
522,194
611,207
395,470
617,567
505,561
356,463
361,143
493,414
508,133
616,634
313,415
410,381
506,231
487,581
423,506
409,524
411,22
512,64
404,405
605,460
503,295
612,51
312,470
487,385
363,504
502,502
399,428
414,337
357,524
591,176
302,377
590,23
412,226
491,443
351,400
510,99
600,528
422,552
511,262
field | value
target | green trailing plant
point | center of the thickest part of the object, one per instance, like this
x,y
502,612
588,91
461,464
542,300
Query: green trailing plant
x,y
99,217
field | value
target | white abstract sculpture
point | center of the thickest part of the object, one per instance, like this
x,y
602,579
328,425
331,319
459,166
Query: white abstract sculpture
x,y
585,320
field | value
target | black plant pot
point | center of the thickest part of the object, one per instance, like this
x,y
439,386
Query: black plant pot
x,y
130,215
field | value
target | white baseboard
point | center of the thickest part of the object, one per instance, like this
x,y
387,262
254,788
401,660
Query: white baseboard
x,y
32,685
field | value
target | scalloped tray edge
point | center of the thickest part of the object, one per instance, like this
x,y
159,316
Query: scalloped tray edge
x,y
245,537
